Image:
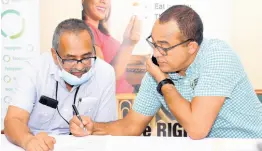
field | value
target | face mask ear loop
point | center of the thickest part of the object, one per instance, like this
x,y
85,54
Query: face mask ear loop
x,y
59,63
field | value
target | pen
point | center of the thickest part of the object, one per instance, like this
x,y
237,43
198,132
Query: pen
x,y
77,114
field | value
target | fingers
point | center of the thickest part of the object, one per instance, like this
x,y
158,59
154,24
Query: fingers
x,y
41,137
77,131
53,139
49,142
38,148
136,29
86,120
33,147
41,142
36,145
88,124
77,122
148,63
42,145
129,26
133,31
78,128
89,128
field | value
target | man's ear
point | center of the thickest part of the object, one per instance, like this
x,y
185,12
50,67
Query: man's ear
x,y
193,47
54,55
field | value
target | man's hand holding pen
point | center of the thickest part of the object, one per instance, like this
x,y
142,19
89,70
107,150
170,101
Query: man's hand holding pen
x,y
78,128
80,125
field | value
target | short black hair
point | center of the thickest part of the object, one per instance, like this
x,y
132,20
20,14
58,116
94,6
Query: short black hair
x,y
188,21
70,25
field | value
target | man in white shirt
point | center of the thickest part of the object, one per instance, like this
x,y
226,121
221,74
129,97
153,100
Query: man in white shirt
x,y
51,84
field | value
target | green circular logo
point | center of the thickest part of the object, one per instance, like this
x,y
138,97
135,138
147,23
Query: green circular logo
x,y
6,58
7,79
16,35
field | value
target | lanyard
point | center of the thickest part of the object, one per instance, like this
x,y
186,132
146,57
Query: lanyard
x,y
56,91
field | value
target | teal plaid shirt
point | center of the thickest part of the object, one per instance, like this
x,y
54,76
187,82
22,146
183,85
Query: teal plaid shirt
x,y
216,71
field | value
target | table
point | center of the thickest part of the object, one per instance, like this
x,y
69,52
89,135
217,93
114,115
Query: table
x,y
131,143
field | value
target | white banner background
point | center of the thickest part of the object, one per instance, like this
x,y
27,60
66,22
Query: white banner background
x,y
215,14
17,16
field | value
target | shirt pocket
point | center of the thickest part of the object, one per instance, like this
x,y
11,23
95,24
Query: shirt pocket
x,y
87,106
43,115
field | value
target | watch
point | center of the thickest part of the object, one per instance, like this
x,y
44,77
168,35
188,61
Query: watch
x,y
163,82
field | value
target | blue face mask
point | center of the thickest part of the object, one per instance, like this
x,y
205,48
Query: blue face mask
x,y
74,80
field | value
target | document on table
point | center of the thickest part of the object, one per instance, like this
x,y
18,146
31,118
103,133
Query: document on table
x,y
90,143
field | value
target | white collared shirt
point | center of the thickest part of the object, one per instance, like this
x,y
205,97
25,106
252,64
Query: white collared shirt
x,y
95,98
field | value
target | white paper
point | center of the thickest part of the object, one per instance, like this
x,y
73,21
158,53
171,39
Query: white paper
x,y
90,143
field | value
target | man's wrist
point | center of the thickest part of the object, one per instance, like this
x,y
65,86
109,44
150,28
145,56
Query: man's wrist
x,y
101,128
161,78
26,140
167,87
162,83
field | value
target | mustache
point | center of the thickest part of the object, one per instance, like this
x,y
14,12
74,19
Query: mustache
x,y
76,70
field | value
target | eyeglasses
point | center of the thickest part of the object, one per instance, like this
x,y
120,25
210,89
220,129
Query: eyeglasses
x,y
72,62
162,50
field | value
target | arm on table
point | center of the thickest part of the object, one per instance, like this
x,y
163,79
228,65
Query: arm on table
x,y
132,125
18,114
16,128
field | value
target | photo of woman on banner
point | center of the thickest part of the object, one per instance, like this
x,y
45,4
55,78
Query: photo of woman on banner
x,y
95,13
